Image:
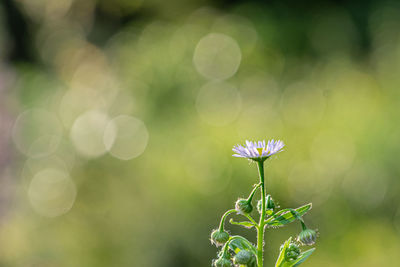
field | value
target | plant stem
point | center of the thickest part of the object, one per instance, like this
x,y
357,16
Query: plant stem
x,y
260,230
221,224
253,192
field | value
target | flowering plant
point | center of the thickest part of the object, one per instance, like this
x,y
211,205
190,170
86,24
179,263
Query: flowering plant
x,y
238,250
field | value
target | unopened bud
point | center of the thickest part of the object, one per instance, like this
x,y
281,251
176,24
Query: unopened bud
x,y
270,203
222,262
243,206
307,237
292,252
219,237
243,257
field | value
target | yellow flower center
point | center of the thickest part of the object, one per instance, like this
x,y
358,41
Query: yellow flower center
x,y
260,151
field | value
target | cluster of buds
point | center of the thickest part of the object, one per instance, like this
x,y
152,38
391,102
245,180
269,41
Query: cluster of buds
x,y
292,252
223,261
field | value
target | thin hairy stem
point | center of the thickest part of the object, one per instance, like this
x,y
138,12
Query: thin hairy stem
x,y
250,219
221,224
253,192
260,230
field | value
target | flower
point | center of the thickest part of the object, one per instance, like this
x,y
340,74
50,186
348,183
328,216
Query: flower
x,y
258,151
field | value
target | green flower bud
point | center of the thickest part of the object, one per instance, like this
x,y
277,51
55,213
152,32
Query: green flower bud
x,y
243,206
269,204
307,237
222,262
243,257
292,252
219,237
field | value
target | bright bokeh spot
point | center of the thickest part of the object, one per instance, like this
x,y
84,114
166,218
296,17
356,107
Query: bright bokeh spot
x,y
239,28
37,133
87,133
52,192
126,137
33,166
46,9
218,103
217,56
78,100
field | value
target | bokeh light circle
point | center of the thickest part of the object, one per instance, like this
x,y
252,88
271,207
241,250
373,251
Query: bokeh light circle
x,y
33,166
239,28
87,133
78,100
52,192
37,133
218,103
217,56
126,137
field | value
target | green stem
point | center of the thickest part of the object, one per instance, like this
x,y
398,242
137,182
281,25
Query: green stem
x,y
221,224
253,192
250,219
260,230
303,225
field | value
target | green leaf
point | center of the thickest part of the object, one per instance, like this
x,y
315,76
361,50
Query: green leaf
x,y
245,224
269,212
281,262
286,216
303,256
281,257
240,243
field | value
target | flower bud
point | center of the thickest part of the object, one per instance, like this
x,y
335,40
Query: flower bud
x,y
292,252
243,206
307,237
222,262
270,203
243,257
219,237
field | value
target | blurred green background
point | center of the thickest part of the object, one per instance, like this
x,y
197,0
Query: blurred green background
x,y
118,118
